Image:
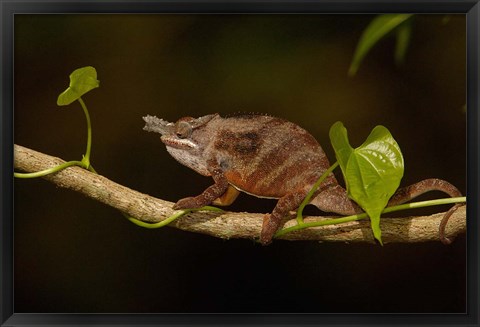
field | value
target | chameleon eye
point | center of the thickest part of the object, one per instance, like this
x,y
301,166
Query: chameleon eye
x,y
183,129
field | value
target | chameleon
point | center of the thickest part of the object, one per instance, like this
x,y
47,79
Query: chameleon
x,y
267,157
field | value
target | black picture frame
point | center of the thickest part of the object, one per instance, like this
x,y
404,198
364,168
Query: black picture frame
x,y
8,9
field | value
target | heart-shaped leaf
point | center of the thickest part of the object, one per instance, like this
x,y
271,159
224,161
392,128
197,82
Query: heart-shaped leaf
x,y
82,80
339,140
372,172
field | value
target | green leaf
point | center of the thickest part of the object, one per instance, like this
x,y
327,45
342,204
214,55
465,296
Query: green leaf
x,y
82,80
343,150
378,28
372,171
404,33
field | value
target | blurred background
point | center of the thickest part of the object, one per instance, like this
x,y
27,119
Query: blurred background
x,y
73,254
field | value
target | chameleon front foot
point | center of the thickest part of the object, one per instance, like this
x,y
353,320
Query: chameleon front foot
x,y
187,203
269,228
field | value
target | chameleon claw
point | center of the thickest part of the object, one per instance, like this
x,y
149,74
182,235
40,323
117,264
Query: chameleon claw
x,y
267,232
186,203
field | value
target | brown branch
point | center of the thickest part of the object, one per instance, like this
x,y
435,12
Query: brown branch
x,y
230,224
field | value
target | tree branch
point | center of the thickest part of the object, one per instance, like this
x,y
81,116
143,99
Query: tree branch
x,y
230,224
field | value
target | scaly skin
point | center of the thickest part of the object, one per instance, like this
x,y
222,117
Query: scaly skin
x,y
266,157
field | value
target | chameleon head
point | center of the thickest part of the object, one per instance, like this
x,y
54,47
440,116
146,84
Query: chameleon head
x,y
185,140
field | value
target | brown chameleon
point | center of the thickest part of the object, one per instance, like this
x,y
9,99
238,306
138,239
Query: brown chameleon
x,y
266,157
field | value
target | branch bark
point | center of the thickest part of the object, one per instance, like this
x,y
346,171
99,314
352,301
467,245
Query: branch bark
x,y
226,224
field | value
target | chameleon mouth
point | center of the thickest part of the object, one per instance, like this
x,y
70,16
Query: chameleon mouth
x,y
177,143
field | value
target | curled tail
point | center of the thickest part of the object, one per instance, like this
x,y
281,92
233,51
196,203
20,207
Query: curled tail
x,y
410,192
335,199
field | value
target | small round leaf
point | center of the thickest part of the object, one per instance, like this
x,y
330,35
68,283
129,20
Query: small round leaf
x,y
82,80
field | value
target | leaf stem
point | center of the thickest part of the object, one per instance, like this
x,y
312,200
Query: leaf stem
x,y
169,219
49,170
312,191
84,163
160,223
86,158
341,220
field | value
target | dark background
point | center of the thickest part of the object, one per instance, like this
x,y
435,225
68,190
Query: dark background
x,y
73,254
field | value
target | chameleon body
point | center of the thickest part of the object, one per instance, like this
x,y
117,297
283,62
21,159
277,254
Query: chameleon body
x,y
264,156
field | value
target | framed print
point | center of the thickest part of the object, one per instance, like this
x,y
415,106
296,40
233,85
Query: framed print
x,y
255,99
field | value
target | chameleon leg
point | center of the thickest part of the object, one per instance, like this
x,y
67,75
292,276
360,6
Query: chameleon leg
x,y
272,222
207,196
407,193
